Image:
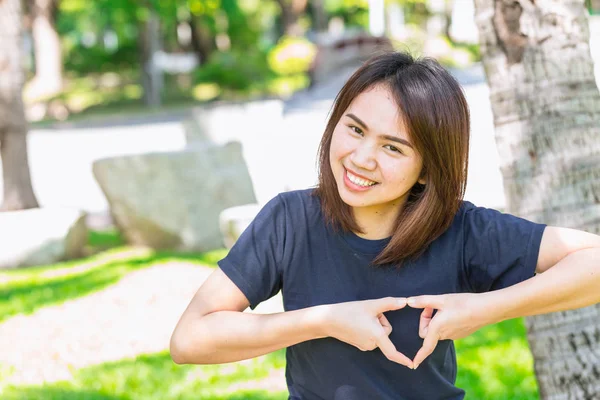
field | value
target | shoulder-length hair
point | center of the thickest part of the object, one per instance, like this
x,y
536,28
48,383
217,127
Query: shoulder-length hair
x,y
436,117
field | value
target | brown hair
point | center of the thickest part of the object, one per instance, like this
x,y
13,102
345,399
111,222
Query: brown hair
x,y
436,116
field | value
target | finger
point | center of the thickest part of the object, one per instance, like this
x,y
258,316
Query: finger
x,y
385,323
436,302
429,344
389,350
390,303
424,321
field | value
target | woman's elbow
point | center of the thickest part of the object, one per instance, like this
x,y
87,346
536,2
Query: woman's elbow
x,y
177,349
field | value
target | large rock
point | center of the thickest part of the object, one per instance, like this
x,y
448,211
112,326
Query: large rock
x,y
41,236
173,200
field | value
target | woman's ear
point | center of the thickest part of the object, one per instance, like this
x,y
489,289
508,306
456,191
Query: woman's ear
x,y
422,178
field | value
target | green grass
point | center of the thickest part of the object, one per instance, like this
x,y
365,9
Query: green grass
x,y
156,377
494,363
23,291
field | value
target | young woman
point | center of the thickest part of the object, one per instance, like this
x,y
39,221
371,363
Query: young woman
x,y
382,264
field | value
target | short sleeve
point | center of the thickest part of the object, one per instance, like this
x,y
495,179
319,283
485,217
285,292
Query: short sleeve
x,y
499,250
254,261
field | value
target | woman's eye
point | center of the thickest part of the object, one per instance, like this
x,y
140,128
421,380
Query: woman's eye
x,y
393,148
356,129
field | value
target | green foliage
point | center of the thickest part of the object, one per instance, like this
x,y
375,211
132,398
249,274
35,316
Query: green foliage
x,y
292,55
354,13
235,70
87,60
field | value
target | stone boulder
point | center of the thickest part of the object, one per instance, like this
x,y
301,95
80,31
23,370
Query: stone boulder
x,y
173,200
41,236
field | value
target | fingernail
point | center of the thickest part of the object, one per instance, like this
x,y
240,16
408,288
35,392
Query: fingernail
x,y
402,301
416,366
411,301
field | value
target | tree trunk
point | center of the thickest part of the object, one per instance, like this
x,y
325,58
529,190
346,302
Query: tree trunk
x,y
48,78
18,193
546,110
202,40
152,76
291,10
319,15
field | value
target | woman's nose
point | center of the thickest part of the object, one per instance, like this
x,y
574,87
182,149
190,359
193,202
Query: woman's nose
x,y
364,157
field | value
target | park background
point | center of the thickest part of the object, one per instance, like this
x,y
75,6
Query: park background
x,y
124,102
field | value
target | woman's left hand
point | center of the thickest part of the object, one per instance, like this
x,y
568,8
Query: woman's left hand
x,y
458,315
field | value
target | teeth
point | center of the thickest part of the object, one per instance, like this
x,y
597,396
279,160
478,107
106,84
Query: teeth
x,y
359,181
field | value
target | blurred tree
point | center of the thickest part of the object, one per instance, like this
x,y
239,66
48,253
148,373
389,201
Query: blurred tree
x,y
291,10
546,108
18,192
319,15
48,78
354,13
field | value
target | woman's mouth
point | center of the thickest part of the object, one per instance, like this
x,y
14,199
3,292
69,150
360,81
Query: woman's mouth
x,y
357,183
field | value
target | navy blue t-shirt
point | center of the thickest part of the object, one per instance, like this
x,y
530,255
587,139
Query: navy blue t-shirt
x,y
289,247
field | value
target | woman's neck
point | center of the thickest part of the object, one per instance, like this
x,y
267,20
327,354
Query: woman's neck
x,y
375,224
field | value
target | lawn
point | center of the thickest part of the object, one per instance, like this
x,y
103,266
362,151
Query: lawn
x,y
495,363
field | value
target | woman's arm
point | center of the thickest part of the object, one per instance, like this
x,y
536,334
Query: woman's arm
x,y
214,329
227,336
569,262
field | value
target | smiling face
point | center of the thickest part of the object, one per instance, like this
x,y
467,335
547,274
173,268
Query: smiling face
x,y
371,157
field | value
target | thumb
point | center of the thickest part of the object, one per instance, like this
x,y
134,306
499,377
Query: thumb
x,y
432,301
389,304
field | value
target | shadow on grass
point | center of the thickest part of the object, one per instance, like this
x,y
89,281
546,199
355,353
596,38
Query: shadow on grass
x,y
155,377
27,295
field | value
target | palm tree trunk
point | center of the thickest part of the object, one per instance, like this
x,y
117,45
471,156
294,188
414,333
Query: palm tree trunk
x,y
546,110
18,193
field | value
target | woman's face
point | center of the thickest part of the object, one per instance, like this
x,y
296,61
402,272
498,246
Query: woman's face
x,y
372,159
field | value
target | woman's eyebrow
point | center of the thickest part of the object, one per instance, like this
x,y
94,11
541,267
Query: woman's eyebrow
x,y
388,137
358,121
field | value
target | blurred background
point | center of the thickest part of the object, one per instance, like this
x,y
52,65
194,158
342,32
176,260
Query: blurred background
x,y
155,130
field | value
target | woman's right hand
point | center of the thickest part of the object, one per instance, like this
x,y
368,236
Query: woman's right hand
x,y
363,325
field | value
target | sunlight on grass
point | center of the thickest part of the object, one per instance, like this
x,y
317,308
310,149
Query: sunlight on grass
x,y
22,291
155,376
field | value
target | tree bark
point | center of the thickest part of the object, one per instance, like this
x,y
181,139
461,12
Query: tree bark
x,y
202,40
149,44
48,78
546,109
18,192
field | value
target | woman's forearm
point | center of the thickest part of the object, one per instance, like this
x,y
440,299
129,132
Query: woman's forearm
x,y
227,336
574,282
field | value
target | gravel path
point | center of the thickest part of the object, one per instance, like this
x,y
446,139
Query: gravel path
x,y
134,316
